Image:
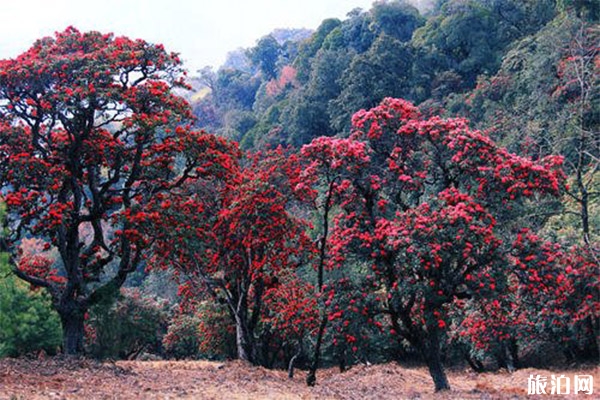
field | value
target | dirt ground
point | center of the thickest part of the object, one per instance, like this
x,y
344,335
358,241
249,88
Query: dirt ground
x,y
86,379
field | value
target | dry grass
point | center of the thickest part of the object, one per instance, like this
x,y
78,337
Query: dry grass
x,y
85,379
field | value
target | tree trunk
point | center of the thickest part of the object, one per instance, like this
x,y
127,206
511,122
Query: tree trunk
x,y
596,332
73,332
291,365
513,351
431,353
475,364
507,358
436,369
592,340
311,378
241,340
342,358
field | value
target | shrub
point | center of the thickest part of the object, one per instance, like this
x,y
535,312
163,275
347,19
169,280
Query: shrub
x,y
205,333
27,322
125,328
181,340
216,332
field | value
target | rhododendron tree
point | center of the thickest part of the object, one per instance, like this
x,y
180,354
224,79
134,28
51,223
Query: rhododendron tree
x,y
290,315
494,328
327,164
90,132
233,239
552,297
559,293
428,210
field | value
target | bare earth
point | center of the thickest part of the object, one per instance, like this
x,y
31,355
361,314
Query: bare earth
x,y
85,379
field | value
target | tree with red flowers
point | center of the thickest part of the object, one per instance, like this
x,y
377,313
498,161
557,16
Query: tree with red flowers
x,y
235,241
560,290
90,132
552,297
328,162
290,315
428,212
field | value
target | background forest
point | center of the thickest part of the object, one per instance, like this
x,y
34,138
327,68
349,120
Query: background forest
x,y
457,225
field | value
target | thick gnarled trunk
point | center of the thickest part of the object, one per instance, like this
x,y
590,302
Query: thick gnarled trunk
x,y
431,353
73,331
429,347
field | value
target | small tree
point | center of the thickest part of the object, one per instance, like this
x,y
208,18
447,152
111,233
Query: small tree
x,y
327,162
89,133
232,240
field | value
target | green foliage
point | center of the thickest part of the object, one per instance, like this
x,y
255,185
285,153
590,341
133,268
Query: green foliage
x,y
544,100
470,38
265,56
383,71
267,131
356,31
125,328
182,338
205,333
388,51
27,322
237,124
397,18
235,88
587,9
308,49
308,114
216,333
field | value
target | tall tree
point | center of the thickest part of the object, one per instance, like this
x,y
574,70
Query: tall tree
x,y
424,209
265,55
307,115
89,133
396,18
382,71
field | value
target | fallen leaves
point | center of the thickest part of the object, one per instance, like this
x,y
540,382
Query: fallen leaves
x,y
71,378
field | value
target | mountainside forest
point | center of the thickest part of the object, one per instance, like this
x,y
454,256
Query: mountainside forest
x,y
396,186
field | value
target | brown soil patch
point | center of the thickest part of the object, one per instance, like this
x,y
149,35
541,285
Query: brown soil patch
x,y
86,379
